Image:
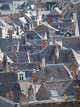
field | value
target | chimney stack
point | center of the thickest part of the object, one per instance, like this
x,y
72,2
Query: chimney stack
x,y
31,93
74,70
5,64
15,58
28,58
43,43
75,78
74,16
62,16
37,13
34,75
43,62
10,33
45,35
56,53
54,40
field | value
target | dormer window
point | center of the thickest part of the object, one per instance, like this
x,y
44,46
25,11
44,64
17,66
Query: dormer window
x,y
20,76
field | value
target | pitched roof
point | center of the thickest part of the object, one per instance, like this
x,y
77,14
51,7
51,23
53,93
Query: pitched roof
x,y
54,90
5,7
62,87
40,5
55,72
67,55
9,84
48,52
42,28
55,11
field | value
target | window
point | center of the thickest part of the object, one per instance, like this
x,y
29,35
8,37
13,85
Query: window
x,y
20,76
53,93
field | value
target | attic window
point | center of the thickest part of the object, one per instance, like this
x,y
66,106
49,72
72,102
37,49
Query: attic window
x,y
53,93
20,76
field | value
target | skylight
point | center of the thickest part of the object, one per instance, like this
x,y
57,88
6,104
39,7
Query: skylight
x,y
53,93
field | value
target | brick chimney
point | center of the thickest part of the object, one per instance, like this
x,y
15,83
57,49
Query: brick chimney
x,y
43,43
34,75
62,16
31,93
54,40
15,57
75,78
37,13
56,53
5,64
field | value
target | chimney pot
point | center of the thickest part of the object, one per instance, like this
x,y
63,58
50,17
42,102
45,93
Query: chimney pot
x,y
31,93
43,44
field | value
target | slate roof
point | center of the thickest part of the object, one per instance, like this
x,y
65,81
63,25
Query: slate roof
x,y
26,66
32,35
5,44
64,87
8,82
30,2
21,6
60,87
29,48
54,12
42,28
67,55
40,5
6,19
48,52
6,103
5,7
55,72
71,42
21,55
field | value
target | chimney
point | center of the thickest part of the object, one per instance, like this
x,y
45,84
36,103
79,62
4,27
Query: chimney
x,y
17,32
43,43
45,35
15,69
42,79
65,97
74,15
38,67
62,16
76,92
75,78
56,53
10,33
15,58
28,58
34,76
74,70
37,13
31,93
54,40
5,64
43,62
